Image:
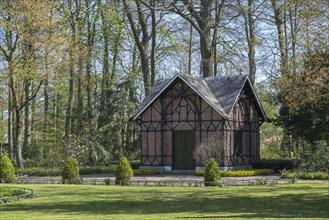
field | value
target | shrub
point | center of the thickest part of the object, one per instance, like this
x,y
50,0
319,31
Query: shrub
x,y
305,175
315,158
97,170
123,172
7,170
275,165
211,148
135,164
146,172
39,171
70,173
212,175
107,181
239,173
199,172
55,171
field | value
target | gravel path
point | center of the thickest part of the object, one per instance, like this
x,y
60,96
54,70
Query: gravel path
x,y
176,179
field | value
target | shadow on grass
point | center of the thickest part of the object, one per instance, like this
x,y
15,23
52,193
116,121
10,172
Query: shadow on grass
x,y
198,204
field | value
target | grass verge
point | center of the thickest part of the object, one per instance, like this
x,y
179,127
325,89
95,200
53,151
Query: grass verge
x,y
115,202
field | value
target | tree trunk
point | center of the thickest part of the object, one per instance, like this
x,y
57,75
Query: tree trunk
x,y
91,27
70,102
281,38
10,118
190,51
205,39
202,21
154,35
251,41
18,140
279,15
27,119
105,72
55,115
142,44
79,127
46,108
293,30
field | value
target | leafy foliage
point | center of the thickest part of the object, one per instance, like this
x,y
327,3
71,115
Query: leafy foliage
x,y
123,172
305,175
6,192
55,171
212,175
239,173
7,170
315,158
305,99
276,165
271,134
146,172
70,173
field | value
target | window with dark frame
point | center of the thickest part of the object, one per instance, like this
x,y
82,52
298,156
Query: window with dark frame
x,y
237,138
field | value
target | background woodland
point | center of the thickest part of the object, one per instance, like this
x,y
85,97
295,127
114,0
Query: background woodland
x,y
73,71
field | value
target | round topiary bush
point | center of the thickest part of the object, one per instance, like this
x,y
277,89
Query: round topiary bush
x,y
212,175
7,170
123,172
70,173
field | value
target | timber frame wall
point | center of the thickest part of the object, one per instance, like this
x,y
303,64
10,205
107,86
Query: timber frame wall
x,y
179,108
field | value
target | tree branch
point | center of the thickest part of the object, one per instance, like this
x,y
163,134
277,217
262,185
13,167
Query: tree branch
x,y
30,98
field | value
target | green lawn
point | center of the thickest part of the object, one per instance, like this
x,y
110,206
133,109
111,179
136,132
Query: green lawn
x,y
115,202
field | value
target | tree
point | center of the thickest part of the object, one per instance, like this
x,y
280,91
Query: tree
x,y
24,80
249,25
143,42
203,22
306,99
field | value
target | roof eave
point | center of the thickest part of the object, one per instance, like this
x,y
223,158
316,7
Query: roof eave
x,y
166,86
154,98
258,101
204,98
256,96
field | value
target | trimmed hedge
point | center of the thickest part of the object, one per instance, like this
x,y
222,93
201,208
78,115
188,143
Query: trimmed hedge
x,y
39,171
239,173
56,171
305,175
276,165
146,172
7,170
97,170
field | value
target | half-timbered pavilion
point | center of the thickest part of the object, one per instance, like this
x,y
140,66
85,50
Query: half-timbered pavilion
x,y
180,113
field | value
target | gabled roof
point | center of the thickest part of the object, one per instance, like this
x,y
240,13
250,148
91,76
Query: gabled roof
x,y
221,93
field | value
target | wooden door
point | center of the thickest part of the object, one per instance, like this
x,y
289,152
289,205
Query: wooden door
x,y
184,145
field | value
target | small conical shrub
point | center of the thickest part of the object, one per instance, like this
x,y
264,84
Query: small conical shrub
x,y
70,173
7,170
123,172
212,175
